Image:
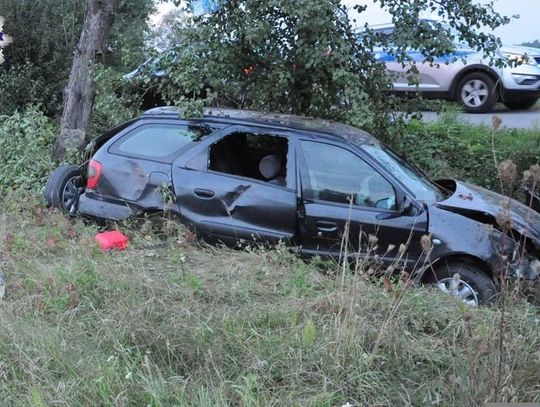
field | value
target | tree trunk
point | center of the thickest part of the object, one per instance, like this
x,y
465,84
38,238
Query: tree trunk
x,y
80,90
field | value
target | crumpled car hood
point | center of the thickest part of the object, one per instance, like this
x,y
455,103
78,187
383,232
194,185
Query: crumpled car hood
x,y
472,198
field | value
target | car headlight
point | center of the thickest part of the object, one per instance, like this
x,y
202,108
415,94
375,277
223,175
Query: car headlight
x,y
519,58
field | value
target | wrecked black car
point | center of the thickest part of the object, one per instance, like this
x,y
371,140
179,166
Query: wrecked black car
x,y
245,176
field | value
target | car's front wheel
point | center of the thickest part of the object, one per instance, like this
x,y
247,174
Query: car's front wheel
x,y
464,281
477,93
522,104
64,188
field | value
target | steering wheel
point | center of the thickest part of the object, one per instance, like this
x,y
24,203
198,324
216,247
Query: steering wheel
x,y
386,203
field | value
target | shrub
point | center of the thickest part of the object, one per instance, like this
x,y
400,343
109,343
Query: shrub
x,y
113,103
25,149
21,85
452,148
26,137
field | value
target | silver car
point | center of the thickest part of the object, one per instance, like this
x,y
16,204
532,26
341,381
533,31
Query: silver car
x,y
466,77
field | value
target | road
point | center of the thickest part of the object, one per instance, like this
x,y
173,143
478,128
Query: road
x,y
525,119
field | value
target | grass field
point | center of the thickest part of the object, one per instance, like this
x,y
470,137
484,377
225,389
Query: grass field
x,y
171,322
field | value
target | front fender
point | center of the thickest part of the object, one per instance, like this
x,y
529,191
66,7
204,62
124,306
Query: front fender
x,y
491,71
461,237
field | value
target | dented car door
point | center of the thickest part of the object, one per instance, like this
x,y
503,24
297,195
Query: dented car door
x,y
229,207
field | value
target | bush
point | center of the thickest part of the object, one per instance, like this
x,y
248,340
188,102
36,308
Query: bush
x,y
26,137
452,148
21,85
25,149
113,103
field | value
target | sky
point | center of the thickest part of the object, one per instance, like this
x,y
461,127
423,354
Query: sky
x,y
524,29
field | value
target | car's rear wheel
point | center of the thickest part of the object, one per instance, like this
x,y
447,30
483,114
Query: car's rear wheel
x,y
477,93
464,281
522,104
64,188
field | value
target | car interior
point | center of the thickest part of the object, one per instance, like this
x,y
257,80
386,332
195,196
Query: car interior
x,y
259,156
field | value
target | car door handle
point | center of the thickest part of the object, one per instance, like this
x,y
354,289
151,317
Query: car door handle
x,y
204,193
325,226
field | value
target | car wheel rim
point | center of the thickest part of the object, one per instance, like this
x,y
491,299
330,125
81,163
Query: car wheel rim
x,y
474,93
459,289
71,195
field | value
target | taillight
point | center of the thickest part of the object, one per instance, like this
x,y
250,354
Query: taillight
x,y
93,174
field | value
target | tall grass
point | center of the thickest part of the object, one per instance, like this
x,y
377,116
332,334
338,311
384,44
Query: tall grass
x,y
170,322
173,322
452,148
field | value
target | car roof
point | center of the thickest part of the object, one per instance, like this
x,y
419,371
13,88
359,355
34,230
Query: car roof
x,y
326,128
384,26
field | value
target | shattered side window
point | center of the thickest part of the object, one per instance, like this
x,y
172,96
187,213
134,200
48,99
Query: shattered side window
x,y
160,142
259,156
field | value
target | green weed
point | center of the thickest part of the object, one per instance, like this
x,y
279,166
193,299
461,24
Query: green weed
x,y
170,322
452,148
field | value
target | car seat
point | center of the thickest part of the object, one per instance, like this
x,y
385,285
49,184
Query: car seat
x,y
270,168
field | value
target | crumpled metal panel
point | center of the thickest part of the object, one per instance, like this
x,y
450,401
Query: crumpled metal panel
x,y
232,208
467,197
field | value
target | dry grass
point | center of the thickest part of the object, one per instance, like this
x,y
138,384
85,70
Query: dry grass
x,y
168,322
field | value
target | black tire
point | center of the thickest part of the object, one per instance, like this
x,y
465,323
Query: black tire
x,y
64,187
481,284
477,93
522,104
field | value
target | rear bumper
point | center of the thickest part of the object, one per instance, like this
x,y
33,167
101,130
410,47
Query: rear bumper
x,y
94,206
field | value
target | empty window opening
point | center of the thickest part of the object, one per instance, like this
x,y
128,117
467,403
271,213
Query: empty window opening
x,y
259,156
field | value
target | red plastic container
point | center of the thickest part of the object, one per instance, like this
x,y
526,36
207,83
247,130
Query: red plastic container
x,y
113,240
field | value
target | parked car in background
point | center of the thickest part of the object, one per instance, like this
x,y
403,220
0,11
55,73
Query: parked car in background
x,y
253,177
465,76
151,68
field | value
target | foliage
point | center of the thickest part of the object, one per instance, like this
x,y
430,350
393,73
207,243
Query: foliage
x,y
127,39
45,35
304,57
534,44
170,30
37,62
113,103
452,148
460,20
21,85
269,56
170,323
26,137
25,141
